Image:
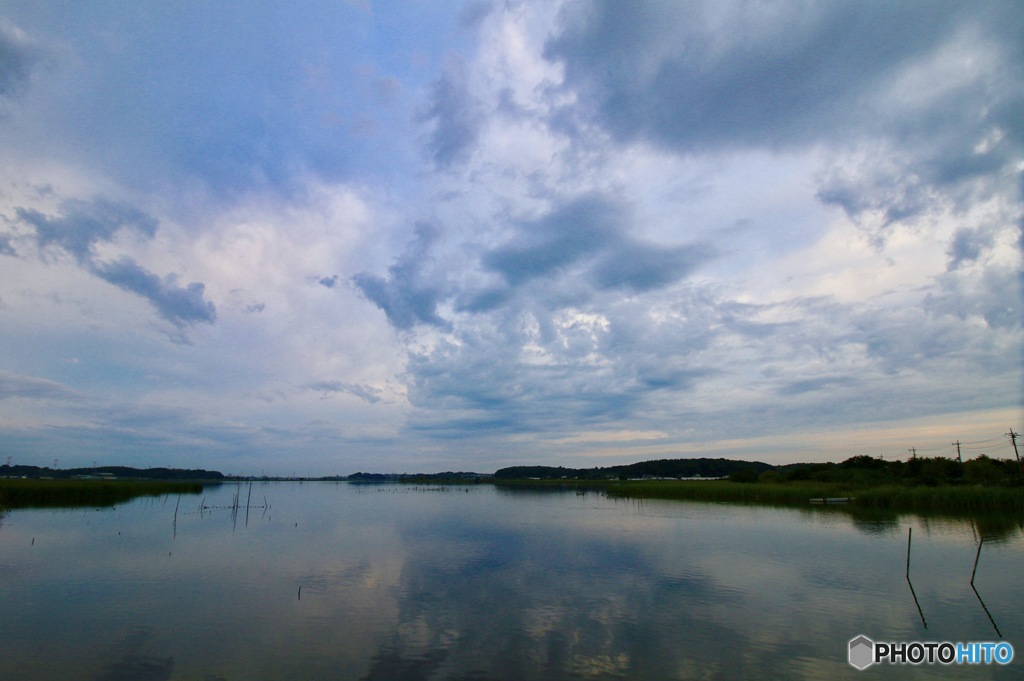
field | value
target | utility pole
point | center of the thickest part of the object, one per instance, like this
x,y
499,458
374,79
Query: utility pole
x,y
957,445
913,452
1013,438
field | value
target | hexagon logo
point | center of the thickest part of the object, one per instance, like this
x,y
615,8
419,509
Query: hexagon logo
x,y
862,652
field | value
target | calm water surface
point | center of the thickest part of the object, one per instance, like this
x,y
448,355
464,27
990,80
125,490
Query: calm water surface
x,y
339,581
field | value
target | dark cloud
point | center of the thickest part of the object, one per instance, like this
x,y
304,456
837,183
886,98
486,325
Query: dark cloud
x,y
995,299
967,246
569,233
180,305
936,89
592,232
815,384
696,75
84,224
643,267
486,300
407,296
365,392
456,117
328,282
662,375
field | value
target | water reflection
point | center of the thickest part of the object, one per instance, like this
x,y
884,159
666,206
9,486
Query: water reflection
x,y
393,582
131,662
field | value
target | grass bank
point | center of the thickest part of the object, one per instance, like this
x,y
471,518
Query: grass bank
x,y
18,493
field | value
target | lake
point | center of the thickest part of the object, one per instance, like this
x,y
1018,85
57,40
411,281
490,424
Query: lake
x,y
344,581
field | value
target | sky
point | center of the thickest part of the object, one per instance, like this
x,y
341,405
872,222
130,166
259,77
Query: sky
x,y
325,237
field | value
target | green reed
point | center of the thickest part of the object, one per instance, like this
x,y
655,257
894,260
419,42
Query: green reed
x,y
29,493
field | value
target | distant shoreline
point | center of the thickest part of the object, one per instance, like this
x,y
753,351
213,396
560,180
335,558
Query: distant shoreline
x,y
980,485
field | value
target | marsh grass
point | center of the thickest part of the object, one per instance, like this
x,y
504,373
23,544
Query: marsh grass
x,y
954,499
944,498
19,493
797,493
939,498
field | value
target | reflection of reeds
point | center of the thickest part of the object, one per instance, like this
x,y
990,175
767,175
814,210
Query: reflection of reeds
x,y
21,493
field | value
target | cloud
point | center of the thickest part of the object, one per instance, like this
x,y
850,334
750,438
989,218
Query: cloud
x,y
328,282
180,305
407,296
456,116
7,245
642,267
583,243
83,225
592,232
31,387
815,384
364,392
931,99
566,235
698,75
967,246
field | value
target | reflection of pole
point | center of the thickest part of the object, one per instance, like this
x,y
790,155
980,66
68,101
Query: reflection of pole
x,y
976,557
912,592
983,606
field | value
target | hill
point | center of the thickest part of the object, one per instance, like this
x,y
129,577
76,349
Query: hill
x,y
661,468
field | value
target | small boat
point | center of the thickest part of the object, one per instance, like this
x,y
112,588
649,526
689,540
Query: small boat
x,y
831,500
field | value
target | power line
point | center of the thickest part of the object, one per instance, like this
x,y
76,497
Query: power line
x,y
1013,438
984,442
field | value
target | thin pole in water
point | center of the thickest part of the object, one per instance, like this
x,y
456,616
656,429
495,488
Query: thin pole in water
x,y
248,500
910,531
